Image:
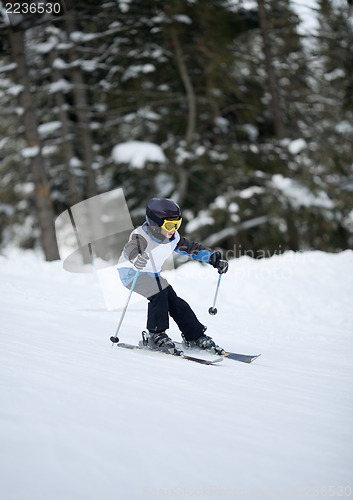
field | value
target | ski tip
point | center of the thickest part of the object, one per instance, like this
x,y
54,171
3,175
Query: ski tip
x,y
254,357
241,357
202,361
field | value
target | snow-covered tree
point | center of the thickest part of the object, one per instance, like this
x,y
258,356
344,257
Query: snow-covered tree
x,y
251,122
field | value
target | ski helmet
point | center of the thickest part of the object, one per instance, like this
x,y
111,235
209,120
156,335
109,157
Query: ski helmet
x,y
159,209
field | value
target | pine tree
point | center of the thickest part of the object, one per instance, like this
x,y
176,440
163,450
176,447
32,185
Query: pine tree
x,y
33,150
334,115
193,77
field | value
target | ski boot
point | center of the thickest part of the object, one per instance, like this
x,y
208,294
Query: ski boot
x,y
160,342
204,342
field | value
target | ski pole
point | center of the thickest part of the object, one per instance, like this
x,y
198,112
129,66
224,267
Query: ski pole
x,y
213,310
114,339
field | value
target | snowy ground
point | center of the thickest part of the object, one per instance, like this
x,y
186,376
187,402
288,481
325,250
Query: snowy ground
x,y
80,419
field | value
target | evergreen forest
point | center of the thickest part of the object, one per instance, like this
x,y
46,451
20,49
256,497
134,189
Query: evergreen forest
x,y
251,116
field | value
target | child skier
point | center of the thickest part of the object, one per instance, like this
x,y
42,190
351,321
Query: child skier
x,y
148,247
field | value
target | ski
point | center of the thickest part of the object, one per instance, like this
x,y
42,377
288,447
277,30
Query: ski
x,y
153,351
243,358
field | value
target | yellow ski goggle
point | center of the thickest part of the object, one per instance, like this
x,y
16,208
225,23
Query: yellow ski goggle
x,y
171,224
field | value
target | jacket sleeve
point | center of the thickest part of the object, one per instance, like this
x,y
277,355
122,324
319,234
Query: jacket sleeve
x,y
136,244
194,250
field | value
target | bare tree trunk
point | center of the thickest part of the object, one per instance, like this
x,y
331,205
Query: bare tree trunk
x,y
42,196
272,82
68,151
292,230
191,122
81,107
190,94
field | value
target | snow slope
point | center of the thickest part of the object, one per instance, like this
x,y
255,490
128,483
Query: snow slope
x,y
82,420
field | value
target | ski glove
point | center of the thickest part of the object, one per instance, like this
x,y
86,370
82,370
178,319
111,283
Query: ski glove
x,y
220,264
140,260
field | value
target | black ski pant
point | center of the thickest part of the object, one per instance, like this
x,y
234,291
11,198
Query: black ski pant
x,y
164,302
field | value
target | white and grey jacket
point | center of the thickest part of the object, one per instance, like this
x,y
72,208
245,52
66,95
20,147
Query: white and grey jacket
x,y
158,249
